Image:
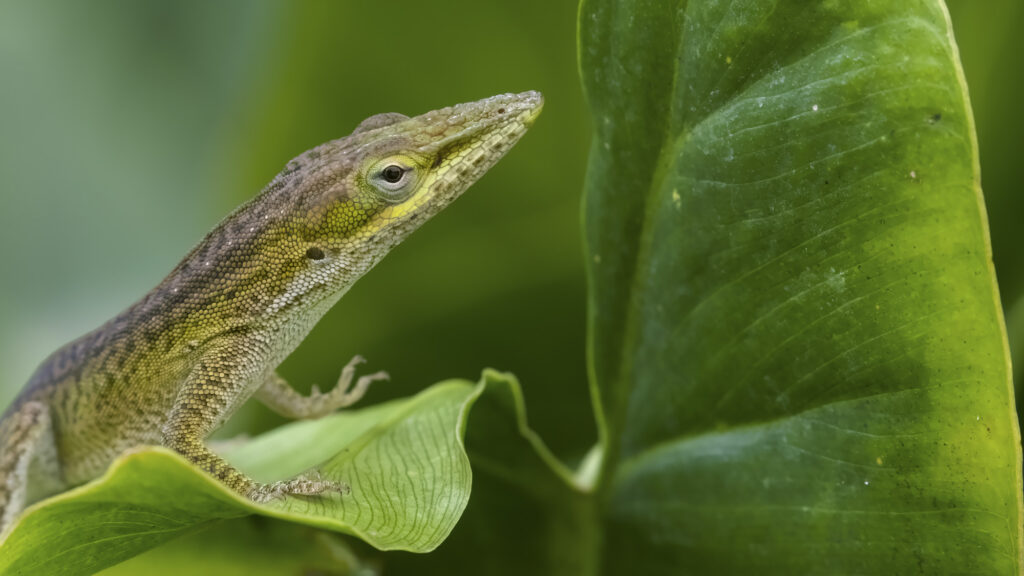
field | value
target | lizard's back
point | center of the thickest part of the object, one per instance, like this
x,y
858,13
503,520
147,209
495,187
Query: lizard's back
x,y
113,388
107,391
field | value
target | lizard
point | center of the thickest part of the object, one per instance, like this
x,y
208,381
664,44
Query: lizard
x,y
173,367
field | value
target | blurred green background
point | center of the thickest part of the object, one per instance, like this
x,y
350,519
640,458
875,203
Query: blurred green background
x,y
128,129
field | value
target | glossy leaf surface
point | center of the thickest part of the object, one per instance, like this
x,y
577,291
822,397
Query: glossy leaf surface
x,y
796,337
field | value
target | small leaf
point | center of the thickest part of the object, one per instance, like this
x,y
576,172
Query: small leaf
x,y
404,461
529,514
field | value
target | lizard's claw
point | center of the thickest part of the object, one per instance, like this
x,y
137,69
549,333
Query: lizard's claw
x,y
308,484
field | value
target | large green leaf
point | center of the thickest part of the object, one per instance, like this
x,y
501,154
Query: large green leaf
x,y
404,461
796,340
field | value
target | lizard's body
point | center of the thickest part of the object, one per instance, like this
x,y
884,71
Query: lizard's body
x,y
176,364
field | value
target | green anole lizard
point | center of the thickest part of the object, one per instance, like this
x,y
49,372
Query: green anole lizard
x,y
175,365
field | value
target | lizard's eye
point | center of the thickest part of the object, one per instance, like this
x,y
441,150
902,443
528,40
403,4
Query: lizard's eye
x,y
394,178
392,173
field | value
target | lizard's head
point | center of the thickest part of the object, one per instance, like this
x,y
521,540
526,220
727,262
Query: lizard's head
x,y
337,209
398,172
363,194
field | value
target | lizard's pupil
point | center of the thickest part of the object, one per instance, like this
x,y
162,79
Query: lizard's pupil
x,y
393,173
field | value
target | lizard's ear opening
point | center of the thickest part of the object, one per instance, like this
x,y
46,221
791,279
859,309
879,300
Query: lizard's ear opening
x,y
315,253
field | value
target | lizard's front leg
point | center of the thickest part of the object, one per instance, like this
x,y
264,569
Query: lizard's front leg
x,y
216,386
280,397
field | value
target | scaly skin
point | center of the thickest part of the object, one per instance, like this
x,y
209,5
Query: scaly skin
x,y
175,365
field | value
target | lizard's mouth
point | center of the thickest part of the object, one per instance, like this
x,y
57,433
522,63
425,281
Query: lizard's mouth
x,y
479,135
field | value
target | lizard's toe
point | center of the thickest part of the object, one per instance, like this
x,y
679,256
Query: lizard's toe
x,y
308,485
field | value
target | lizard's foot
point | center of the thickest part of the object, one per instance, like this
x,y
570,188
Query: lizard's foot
x,y
302,486
341,395
283,399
